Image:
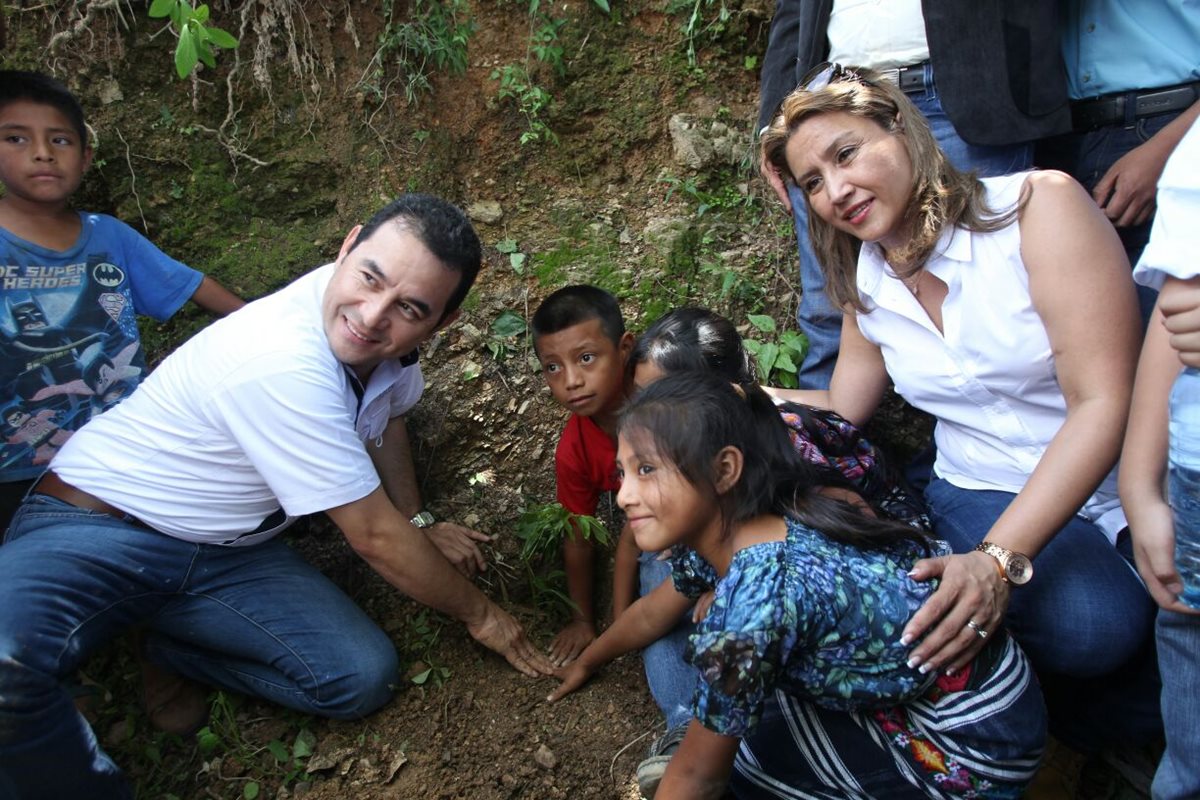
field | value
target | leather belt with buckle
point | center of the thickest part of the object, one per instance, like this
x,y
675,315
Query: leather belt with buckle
x,y
53,486
909,79
1114,109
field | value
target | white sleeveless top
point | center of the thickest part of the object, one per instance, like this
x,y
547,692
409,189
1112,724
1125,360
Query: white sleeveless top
x,y
990,378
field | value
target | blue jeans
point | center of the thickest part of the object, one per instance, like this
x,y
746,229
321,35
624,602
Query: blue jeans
x,y
257,620
1086,611
1178,775
1085,620
1088,155
672,680
817,318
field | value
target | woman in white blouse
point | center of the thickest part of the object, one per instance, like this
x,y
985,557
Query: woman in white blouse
x,y
1004,308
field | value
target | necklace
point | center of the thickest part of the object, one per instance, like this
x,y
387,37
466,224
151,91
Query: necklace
x,y
912,282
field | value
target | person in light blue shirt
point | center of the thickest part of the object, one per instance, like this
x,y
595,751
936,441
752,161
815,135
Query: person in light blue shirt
x,y
1159,486
1133,75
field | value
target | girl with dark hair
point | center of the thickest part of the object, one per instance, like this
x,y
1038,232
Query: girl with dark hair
x,y
699,339
804,683
849,466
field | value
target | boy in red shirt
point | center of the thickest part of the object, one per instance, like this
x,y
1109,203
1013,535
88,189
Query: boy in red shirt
x,y
580,339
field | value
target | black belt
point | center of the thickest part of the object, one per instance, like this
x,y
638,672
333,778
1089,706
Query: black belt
x,y
909,79
1126,107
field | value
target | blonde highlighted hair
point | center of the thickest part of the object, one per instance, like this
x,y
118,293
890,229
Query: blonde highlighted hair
x,y
941,194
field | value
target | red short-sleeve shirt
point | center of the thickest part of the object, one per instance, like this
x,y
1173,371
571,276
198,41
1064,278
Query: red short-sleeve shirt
x,y
585,465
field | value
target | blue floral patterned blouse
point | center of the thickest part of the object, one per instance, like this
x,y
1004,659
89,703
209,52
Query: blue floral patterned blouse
x,y
809,616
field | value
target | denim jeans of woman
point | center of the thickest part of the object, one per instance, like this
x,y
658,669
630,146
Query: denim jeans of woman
x,y
1085,620
256,620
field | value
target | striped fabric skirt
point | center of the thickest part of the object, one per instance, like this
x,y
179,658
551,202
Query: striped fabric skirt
x,y
983,739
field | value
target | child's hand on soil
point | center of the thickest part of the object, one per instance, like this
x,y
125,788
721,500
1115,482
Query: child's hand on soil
x,y
571,641
573,676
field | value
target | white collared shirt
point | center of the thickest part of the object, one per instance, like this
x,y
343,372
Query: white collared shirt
x,y
1175,237
880,34
253,414
989,378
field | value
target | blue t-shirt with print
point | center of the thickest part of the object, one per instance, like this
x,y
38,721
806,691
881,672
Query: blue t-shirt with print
x,y
69,335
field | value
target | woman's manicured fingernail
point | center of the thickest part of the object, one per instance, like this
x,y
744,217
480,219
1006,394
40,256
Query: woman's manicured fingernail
x,y
906,640
925,668
914,662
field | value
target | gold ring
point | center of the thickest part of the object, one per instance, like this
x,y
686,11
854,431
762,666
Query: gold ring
x,y
979,631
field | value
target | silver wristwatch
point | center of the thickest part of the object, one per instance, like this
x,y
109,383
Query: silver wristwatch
x,y
422,519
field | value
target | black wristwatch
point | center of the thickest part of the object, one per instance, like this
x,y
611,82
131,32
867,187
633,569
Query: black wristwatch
x,y
422,519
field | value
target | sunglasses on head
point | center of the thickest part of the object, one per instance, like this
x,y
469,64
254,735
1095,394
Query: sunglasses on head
x,y
826,73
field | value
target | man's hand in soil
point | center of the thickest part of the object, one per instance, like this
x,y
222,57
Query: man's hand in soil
x,y
501,633
571,641
458,544
574,675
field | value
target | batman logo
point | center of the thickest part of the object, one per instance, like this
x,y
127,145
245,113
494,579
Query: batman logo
x,y
108,275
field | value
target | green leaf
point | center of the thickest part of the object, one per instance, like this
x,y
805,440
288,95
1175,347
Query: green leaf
x,y
303,746
221,39
421,677
766,360
161,8
762,322
206,54
201,14
795,340
508,324
251,790
784,362
506,246
207,740
603,6
185,54
517,260
278,750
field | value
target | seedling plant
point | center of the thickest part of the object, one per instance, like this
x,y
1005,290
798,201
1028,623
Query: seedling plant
x,y
779,355
541,530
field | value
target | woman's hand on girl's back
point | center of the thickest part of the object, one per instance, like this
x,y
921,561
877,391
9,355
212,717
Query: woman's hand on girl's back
x,y
971,590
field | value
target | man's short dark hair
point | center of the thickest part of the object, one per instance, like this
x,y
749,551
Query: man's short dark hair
x,y
37,87
572,305
443,228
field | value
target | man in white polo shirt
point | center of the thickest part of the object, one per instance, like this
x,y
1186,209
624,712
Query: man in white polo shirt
x,y
163,512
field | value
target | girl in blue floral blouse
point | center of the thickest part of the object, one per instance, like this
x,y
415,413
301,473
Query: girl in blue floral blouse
x,y
803,684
